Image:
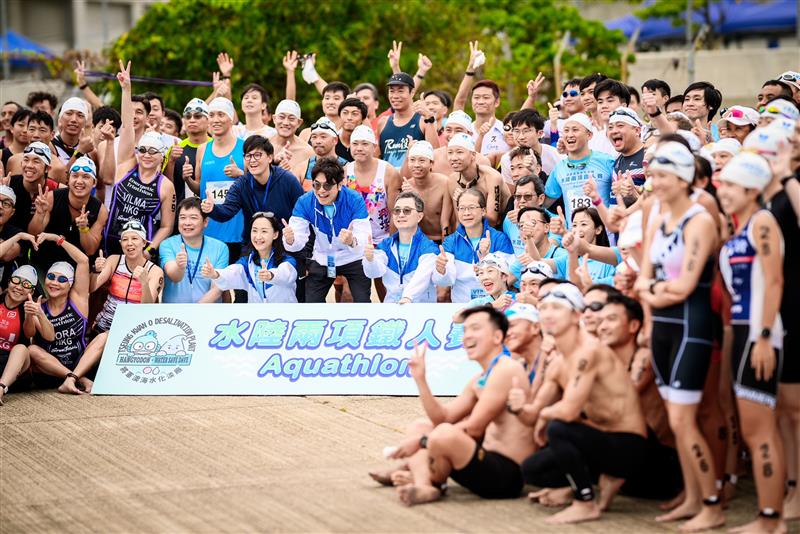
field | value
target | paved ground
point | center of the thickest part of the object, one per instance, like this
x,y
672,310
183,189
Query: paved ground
x,y
237,464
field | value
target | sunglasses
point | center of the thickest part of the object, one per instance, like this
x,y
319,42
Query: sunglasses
x,y
84,168
267,214
525,196
572,92
405,211
21,282
255,156
733,113
327,186
61,278
596,306
147,150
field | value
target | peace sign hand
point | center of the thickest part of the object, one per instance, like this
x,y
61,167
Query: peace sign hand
x,y
82,220
124,76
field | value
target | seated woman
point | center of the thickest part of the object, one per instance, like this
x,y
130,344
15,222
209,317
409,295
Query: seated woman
x,y
268,274
134,280
58,362
20,319
472,240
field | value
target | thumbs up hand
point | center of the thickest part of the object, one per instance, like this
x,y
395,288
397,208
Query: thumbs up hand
x,y
232,170
369,250
182,258
207,205
346,236
407,186
208,270
264,274
188,170
99,262
516,397
485,245
441,261
288,233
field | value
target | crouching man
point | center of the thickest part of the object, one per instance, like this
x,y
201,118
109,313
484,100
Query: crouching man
x,y
473,439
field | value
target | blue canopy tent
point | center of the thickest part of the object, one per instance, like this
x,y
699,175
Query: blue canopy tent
x,y
728,17
21,51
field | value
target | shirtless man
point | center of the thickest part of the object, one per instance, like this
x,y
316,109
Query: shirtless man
x,y
466,173
524,337
457,122
432,187
472,439
291,153
620,321
588,408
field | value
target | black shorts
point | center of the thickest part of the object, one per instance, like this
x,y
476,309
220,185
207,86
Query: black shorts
x,y
4,354
745,385
490,475
681,345
790,374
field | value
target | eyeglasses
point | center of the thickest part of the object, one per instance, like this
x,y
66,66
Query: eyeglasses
x,y
527,197
572,92
7,204
267,214
532,222
596,306
255,156
327,186
21,282
405,211
522,131
147,150
84,168
61,278
465,209
579,166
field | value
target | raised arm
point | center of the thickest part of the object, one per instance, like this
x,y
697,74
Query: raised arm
x,y
533,92
290,65
460,101
127,137
83,85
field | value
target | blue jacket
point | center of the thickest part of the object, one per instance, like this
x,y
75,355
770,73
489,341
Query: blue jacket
x,y
247,196
462,257
414,282
309,214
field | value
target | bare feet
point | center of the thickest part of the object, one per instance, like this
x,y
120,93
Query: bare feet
x,y
411,495
761,526
577,512
555,497
609,486
685,510
384,478
402,477
708,518
791,506
673,503
69,386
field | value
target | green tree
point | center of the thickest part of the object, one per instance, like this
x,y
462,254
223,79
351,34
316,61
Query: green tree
x,y
181,39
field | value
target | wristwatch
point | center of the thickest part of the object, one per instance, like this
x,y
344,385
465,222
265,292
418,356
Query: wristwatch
x,y
423,442
656,114
766,333
4,388
429,120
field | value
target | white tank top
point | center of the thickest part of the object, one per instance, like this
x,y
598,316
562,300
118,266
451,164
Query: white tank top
x,y
667,250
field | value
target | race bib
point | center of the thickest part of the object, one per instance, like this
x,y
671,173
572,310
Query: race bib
x,y
577,201
218,190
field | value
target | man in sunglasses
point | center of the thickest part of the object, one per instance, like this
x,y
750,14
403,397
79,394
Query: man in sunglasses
x,y
195,122
324,137
339,219
404,261
570,174
586,410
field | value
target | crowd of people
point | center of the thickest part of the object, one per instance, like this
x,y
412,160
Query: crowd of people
x,y
624,262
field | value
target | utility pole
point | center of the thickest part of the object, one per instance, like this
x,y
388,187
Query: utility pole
x,y
689,43
4,29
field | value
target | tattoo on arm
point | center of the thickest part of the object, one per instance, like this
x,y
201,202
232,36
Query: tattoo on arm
x,y
763,234
497,198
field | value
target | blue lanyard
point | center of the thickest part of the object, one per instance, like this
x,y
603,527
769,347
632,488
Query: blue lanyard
x,y
400,264
260,206
475,257
192,274
485,376
264,285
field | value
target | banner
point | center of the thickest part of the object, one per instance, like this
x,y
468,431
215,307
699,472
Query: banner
x,y
280,349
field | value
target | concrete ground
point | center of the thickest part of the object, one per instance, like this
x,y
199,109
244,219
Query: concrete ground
x,y
240,464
